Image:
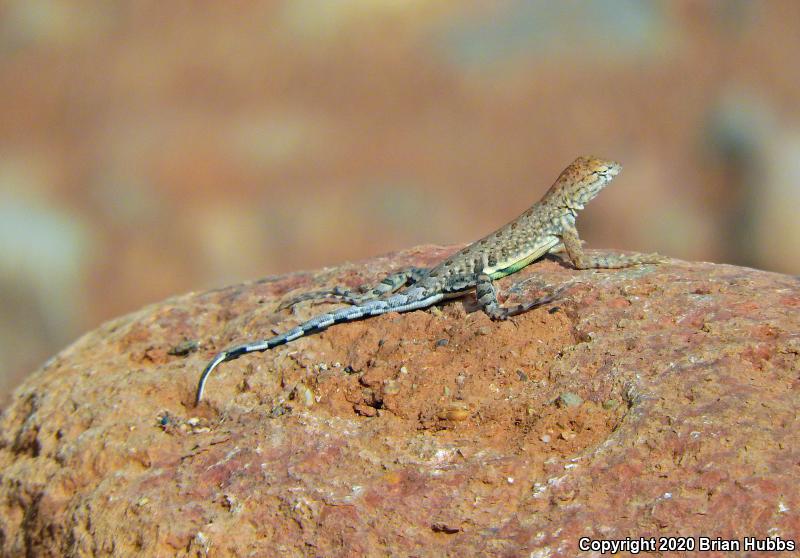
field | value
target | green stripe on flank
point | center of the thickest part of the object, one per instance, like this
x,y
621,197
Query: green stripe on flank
x,y
516,266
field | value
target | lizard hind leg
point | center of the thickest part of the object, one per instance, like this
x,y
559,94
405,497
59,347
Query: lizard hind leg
x,y
324,295
487,298
390,284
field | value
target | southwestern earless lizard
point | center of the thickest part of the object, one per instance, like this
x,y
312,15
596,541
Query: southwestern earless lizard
x,y
545,227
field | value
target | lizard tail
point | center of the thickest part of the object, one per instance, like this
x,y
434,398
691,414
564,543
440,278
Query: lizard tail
x,y
412,299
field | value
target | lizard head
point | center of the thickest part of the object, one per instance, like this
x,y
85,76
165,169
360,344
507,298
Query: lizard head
x,y
580,182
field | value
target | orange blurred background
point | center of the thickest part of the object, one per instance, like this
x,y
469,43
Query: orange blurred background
x,y
152,148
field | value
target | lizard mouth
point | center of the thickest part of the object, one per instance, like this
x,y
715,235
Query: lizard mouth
x,y
605,175
600,179
610,171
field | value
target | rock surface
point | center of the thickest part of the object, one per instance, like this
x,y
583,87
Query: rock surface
x,y
646,402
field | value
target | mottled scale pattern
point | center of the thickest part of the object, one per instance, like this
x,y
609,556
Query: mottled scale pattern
x,y
547,224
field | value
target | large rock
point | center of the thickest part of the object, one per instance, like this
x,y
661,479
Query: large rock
x,y
646,402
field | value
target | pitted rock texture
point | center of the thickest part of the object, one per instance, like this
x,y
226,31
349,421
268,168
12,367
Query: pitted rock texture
x,y
649,401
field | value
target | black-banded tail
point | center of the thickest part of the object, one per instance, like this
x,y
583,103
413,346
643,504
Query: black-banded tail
x,y
412,299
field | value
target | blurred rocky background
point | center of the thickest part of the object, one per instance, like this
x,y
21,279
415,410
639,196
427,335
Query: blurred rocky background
x,y
152,148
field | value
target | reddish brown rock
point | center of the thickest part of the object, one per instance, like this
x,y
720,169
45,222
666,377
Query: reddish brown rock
x,y
647,402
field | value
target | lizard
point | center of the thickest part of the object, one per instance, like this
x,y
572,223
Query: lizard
x,y
547,226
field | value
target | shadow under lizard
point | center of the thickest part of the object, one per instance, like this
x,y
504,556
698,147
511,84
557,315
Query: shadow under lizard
x,y
545,227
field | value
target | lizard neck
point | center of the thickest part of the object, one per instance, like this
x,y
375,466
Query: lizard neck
x,y
556,202
560,208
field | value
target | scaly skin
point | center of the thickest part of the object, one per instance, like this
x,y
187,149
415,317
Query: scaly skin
x,y
547,225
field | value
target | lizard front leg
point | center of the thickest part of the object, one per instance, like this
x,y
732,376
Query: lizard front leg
x,y
487,298
572,245
388,285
